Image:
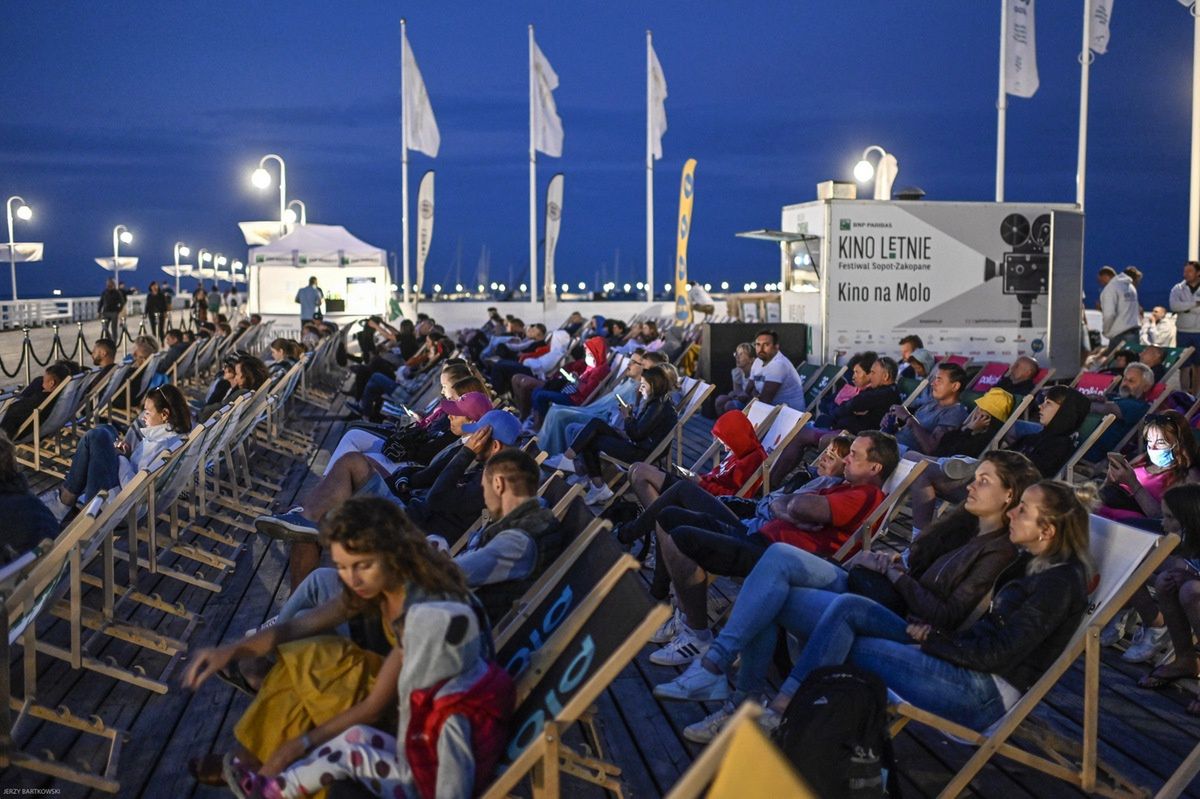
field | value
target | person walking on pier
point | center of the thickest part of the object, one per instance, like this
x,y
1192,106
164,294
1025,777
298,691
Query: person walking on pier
x,y
310,298
156,310
112,302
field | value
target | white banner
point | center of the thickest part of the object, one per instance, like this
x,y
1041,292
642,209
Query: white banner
x,y
420,128
554,198
1020,67
658,106
548,129
424,225
1099,19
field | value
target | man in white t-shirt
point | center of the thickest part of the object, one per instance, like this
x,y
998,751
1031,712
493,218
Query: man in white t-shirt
x,y
773,379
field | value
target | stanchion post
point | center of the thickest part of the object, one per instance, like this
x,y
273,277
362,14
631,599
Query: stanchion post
x,y
79,345
27,355
56,344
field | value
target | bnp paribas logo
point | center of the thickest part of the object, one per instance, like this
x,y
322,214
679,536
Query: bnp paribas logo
x,y
843,224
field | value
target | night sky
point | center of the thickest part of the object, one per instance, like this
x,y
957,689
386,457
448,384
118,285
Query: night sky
x,y
153,114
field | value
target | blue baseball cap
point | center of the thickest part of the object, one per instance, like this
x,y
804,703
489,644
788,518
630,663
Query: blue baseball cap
x,y
505,427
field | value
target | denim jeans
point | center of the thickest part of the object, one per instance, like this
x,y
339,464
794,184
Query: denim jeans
x,y
962,695
377,386
96,466
320,586
543,398
767,590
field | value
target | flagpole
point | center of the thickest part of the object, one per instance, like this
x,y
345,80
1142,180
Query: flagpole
x,y
404,165
1085,62
1194,194
1002,103
649,171
532,179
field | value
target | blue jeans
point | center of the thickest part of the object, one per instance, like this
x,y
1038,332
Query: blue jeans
x,y
96,466
320,586
556,431
768,589
962,695
377,386
543,398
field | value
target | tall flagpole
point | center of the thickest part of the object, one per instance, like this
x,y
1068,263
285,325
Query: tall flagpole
x,y
1194,193
532,178
1085,62
649,172
404,165
1002,102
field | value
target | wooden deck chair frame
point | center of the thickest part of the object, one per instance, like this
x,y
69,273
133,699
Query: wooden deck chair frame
x,y
128,413
559,510
1137,428
764,471
916,392
1060,759
29,583
1016,414
1068,471
713,451
876,523
30,452
547,758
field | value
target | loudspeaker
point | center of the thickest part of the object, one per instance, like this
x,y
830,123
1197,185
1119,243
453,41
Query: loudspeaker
x,y
720,340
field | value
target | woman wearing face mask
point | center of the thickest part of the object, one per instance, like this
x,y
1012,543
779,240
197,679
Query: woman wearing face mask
x,y
645,425
1134,491
104,462
575,392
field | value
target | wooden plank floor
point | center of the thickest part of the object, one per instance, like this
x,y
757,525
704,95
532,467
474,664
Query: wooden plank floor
x,y
1143,733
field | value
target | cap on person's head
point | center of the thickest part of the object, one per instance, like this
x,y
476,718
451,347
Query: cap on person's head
x,y
925,358
473,406
996,403
505,427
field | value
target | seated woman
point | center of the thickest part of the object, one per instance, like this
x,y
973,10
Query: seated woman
x,y
738,396
285,353
1048,445
858,377
970,674
103,462
538,366
1176,601
27,521
321,685
247,376
578,390
1132,492
646,424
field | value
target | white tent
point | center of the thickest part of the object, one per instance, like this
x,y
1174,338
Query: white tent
x,y
353,274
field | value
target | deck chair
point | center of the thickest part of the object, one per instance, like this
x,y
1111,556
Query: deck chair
x,y
562,679
1093,384
1089,432
760,414
47,421
119,375
821,384
1040,379
1022,405
1156,398
1125,559
786,424
987,377
895,488
28,587
741,761
957,360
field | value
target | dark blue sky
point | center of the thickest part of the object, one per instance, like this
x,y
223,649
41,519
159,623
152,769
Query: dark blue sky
x,y
153,114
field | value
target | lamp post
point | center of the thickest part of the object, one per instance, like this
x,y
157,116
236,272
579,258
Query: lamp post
x,y
219,260
202,257
884,173
180,249
24,212
303,212
262,179
121,235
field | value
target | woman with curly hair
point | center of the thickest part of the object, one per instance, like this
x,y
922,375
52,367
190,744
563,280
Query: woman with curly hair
x,y
322,683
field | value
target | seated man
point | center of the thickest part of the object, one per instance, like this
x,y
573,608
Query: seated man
x,y
818,522
1129,406
1154,357
773,378
1021,376
31,398
908,345
175,347
923,430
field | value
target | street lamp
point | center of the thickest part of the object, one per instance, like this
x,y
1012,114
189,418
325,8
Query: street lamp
x,y
219,260
884,172
261,178
180,249
121,235
23,212
202,257
291,215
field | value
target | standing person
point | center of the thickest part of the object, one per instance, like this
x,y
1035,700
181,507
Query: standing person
x,y
214,300
1185,303
1122,316
700,300
156,310
200,304
310,298
112,302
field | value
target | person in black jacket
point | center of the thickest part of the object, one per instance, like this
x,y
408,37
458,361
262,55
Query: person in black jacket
x,y
27,521
156,310
646,424
112,302
32,397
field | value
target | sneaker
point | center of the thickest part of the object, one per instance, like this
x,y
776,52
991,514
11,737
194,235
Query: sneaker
x,y
290,526
706,729
1115,630
1168,654
51,500
560,463
669,629
1148,643
598,495
271,622
959,468
685,647
697,684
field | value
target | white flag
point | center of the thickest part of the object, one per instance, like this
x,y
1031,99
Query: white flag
x,y
658,106
424,225
554,198
1020,67
548,130
1098,20
420,128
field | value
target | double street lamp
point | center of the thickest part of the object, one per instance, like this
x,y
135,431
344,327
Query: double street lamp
x,y
261,178
23,212
121,235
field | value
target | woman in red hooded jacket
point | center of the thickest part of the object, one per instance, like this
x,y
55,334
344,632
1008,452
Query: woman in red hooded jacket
x,y
578,389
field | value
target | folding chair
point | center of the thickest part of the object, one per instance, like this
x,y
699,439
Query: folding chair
x,y
48,420
911,388
821,384
987,376
895,488
1125,559
1019,411
1094,385
760,414
1089,432
787,423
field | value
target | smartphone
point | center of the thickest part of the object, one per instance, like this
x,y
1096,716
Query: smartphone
x,y
570,377
621,401
682,472
411,413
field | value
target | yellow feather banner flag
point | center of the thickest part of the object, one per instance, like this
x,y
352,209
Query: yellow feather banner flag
x,y
687,192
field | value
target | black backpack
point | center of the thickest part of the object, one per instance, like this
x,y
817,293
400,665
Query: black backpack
x,y
834,732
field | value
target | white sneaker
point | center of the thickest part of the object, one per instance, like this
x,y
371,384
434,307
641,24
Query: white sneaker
x,y
561,463
1115,630
697,684
57,508
683,649
706,729
598,495
668,629
1148,644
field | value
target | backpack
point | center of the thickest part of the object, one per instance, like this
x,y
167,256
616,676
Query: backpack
x,y
834,732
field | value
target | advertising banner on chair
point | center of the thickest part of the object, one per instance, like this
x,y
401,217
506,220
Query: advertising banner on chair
x,y
424,228
687,192
554,198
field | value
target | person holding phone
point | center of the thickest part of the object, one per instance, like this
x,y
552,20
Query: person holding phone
x,y
1133,492
574,393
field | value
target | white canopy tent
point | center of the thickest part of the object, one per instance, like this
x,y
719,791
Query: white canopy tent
x,y
352,273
